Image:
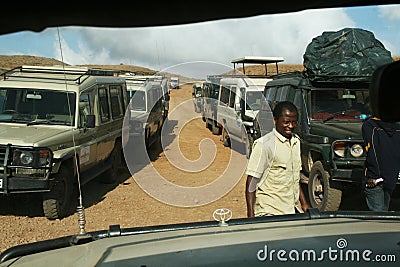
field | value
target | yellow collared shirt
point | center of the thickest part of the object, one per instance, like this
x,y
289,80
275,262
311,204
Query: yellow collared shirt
x,y
276,161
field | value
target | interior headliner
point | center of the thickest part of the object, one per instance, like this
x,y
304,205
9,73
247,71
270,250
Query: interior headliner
x,y
37,16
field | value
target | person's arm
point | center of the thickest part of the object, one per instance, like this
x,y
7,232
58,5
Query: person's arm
x,y
371,169
250,195
303,201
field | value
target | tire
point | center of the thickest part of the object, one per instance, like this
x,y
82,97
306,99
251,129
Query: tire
x,y
208,125
321,195
215,129
225,138
157,144
63,197
115,160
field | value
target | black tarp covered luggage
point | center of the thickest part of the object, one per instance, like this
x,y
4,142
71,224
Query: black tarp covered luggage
x,y
350,54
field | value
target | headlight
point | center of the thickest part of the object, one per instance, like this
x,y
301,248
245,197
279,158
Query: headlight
x,y
32,158
26,157
356,150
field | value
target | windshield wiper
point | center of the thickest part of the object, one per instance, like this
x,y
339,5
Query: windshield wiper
x,y
48,121
336,114
36,122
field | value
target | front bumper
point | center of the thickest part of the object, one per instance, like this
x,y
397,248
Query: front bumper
x,y
347,175
13,185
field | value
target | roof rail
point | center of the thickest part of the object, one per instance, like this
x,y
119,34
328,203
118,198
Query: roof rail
x,y
257,60
79,74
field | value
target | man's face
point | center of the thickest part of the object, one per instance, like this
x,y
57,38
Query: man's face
x,y
286,124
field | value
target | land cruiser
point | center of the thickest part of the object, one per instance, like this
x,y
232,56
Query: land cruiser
x,y
239,100
332,96
210,94
174,83
60,126
197,95
146,108
331,113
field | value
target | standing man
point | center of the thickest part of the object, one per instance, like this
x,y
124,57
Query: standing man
x,y
382,164
273,171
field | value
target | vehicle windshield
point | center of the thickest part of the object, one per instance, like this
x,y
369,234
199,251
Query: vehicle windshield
x,y
340,104
198,91
138,100
254,100
34,106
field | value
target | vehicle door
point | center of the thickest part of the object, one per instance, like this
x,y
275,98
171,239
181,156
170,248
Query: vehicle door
x,y
111,112
236,123
223,109
86,139
225,112
154,101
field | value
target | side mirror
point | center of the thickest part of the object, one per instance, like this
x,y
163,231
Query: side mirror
x,y
90,121
237,107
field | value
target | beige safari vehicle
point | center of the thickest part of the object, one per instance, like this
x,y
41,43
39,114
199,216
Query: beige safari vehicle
x,y
60,127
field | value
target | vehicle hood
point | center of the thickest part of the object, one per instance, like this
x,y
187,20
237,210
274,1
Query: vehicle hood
x,y
23,135
139,116
337,130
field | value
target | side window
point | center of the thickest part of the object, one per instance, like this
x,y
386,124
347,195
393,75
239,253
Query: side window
x,y
207,94
85,108
224,98
232,97
116,96
269,93
281,94
103,103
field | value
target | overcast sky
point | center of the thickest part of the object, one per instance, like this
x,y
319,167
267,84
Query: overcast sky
x,y
208,43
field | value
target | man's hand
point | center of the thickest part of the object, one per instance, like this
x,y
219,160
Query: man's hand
x,y
305,206
371,182
250,195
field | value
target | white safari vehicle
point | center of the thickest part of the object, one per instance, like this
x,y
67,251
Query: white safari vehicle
x,y
148,107
174,83
240,98
59,127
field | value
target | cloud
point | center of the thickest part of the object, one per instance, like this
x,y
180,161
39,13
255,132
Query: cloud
x,y
389,12
285,35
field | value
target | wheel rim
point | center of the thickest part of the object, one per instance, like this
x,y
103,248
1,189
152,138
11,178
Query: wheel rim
x,y
318,189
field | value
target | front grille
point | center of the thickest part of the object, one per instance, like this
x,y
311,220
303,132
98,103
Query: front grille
x,y
4,152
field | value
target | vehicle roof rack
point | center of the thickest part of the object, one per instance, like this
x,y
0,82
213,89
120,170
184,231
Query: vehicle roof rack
x,y
257,60
65,73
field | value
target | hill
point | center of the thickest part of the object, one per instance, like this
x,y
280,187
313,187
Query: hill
x,y
9,62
